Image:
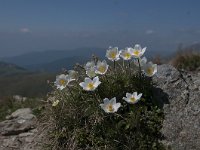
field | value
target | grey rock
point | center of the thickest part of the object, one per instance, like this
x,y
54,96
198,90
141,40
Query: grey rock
x,y
179,94
22,120
19,131
22,113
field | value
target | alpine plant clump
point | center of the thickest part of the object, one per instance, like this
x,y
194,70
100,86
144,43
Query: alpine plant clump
x,y
105,104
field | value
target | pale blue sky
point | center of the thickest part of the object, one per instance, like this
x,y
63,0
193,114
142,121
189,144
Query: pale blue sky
x,y
37,25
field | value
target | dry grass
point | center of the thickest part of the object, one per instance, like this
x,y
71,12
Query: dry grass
x,y
188,60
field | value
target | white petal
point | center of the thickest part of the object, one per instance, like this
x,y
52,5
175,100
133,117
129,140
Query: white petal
x,y
96,79
106,101
117,58
88,80
96,84
143,50
130,49
155,68
128,95
103,106
139,96
116,106
134,94
89,65
82,84
107,53
126,99
115,49
113,101
61,87
143,61
61,76
99,63
70,79
137,47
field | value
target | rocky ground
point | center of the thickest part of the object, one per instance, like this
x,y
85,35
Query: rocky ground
x,y
179,95
19,131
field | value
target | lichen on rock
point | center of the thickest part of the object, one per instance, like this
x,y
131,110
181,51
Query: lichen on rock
x,y
181,126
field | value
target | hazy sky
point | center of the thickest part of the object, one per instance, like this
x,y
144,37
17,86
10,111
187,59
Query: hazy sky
x,y
37,25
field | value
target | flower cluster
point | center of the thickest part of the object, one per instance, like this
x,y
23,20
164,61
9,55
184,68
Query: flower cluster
x,y
95,68
110,106
135,53
63,80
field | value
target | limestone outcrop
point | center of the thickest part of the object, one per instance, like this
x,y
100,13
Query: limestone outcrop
x,y
180,95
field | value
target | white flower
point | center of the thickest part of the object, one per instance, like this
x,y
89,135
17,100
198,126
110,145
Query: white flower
x,y
150,69
137,51
125,54
101,67
89,84
142,61
110,106
90,69
73,75
132,98
61,81
89,65
55,103
113,54
91,72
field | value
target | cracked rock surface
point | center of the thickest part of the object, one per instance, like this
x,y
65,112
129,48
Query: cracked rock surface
x,y
18,131
181,104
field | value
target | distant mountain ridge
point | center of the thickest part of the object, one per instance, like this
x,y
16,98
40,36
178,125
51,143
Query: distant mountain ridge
x,y
44,57
55,60
7,69
58,65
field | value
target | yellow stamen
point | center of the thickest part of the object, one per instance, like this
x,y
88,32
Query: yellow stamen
x,y
110,107
102,69
113,55
136,52
127,55
62,82
132,99
90,86
150,71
